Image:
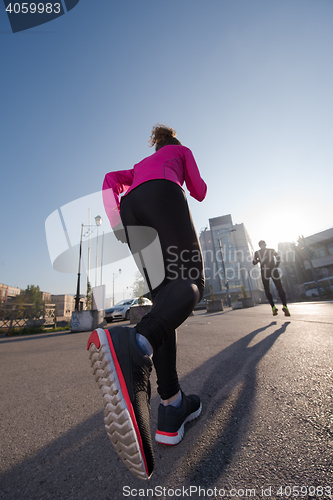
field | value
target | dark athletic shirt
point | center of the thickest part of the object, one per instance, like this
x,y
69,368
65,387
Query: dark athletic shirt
x,y
266,258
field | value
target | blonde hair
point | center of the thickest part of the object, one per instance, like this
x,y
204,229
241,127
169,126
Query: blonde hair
x,y
161,135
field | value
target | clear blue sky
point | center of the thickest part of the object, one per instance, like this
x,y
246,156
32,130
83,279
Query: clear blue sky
x,y
247,84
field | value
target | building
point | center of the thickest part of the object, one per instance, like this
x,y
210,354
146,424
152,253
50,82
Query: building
x,y
46,296
7,293
308,265
320,248
228,253
65,305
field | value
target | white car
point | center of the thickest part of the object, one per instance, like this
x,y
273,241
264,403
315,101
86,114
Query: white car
x,y
314,292
121,310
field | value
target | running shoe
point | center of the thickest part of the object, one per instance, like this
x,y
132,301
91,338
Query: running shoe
x,y
286,311
274,310
171,420
122,372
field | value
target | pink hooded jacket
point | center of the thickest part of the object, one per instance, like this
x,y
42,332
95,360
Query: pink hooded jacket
x,y
174,163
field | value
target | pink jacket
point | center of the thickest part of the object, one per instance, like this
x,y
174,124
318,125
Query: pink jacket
x,y
174,163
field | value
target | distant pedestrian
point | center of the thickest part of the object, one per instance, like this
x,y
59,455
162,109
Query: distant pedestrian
x,y
122,357
269,261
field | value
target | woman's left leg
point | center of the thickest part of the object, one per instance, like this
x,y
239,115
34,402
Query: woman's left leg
x,y
164,360
166,211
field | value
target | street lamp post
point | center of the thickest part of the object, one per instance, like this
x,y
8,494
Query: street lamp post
x,y
88,273
77,298
102,259
98,220
114,275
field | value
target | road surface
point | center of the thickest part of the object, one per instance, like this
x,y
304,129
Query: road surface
x,y
266,428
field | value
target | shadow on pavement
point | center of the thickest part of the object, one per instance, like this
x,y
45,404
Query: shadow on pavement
x,y
228,417
83,465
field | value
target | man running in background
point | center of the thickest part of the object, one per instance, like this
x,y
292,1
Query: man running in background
x,y
269,261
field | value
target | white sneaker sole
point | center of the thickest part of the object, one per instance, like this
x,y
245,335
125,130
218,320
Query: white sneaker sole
x,y
119,417
173,438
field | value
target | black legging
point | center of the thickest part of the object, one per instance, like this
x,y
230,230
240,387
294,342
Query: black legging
x,y
162,205
266,274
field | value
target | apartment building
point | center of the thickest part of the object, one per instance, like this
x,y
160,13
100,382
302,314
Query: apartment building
x,y
7,293
227,252
65,304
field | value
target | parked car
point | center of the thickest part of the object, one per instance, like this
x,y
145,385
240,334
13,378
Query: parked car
x,y
314,292
201,305
121,310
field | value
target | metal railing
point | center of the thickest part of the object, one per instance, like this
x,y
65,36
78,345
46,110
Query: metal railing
x,y
24,316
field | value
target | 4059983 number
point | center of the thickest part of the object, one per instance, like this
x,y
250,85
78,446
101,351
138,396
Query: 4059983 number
x,y
32,8
302,491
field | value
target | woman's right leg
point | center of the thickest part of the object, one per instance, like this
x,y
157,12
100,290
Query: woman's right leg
x,y
120,367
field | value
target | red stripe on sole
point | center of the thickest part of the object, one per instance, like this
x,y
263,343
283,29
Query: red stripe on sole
x,y
94,339
167,433
166,437
126,396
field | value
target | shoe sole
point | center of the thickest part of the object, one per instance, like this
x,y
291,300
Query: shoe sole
x,y
173,438
119,417
286,313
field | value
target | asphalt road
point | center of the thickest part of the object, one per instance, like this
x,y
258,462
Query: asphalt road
x,y
266,428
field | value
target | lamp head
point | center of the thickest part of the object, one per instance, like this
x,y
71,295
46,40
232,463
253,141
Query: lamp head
x,y
98,220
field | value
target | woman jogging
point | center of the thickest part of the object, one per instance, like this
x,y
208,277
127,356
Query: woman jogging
x,y
153,204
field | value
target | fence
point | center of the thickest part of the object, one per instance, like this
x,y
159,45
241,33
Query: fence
x,y
23,316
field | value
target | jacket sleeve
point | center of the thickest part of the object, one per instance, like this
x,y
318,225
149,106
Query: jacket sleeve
x,y
114,184
194,183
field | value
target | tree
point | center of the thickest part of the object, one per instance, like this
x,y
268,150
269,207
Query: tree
x,y
89,300
138,286
31,296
